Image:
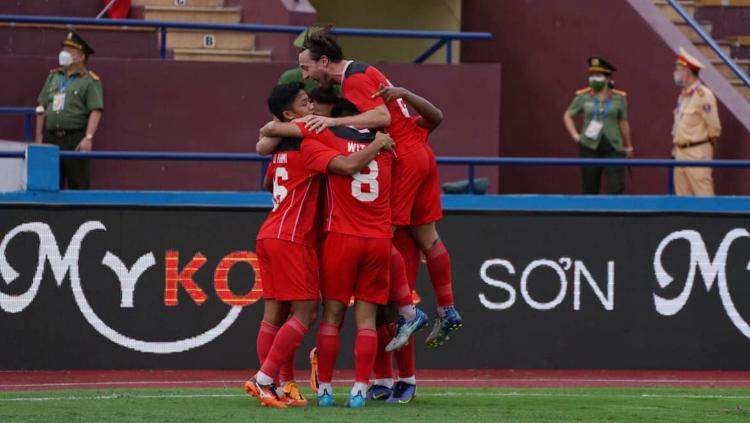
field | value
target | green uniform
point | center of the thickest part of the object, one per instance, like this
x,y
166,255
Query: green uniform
x,y
607,144
66,118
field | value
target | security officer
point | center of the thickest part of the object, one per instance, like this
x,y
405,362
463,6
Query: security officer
x,y
606,131
696,127
70,108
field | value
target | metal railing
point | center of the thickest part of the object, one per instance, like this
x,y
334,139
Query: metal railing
x,y
443,38
470,162
710,41
28,119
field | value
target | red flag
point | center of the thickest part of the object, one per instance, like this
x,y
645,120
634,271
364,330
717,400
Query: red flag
x,y
119,10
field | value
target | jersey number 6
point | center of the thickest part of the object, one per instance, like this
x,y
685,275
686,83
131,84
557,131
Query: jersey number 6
x,y
279,192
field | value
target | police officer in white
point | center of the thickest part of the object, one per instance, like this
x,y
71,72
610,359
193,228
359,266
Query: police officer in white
x,y
696,127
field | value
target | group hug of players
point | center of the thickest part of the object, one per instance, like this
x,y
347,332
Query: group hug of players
x,y
355,201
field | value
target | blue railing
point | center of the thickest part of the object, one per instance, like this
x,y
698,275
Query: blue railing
x,y
710,41
470,162
443,38
28,119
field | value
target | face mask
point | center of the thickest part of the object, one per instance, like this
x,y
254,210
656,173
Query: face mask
x,y
65,58
597,82
677,80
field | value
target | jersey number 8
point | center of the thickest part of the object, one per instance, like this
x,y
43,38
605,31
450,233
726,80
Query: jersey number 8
x,y
369,179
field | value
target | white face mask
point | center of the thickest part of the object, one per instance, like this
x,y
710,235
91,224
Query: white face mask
x,y
678,80
65,58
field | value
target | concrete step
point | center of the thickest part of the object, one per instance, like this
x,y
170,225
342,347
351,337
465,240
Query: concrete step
x,y
690,33
728,73
216,55
178,3
228,15
706,50
724,3
671,14
199,39
742,88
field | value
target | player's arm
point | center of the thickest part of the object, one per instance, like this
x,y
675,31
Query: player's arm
x,y
430,117
375,118
276,129
353,163
267,145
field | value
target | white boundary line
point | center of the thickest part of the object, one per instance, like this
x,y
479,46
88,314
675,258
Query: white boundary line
x,y
426,381
116,396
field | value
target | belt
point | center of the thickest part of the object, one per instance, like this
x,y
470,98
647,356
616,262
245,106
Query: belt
x,y
63,132
692,144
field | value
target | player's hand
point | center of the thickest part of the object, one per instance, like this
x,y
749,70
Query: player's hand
x,y
303,119
318,123
385,140
390,93
84,145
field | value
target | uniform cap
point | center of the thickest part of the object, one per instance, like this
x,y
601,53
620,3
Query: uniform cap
x,y
72,39
690,62
599,65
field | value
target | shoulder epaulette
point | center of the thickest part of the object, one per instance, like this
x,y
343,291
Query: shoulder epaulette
x,y
620,92
94,76
700,91
55,70
583,91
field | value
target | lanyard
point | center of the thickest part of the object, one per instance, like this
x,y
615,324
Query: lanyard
x,y
606,108
64,83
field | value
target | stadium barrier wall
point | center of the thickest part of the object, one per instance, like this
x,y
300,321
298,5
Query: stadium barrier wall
x,y
167,280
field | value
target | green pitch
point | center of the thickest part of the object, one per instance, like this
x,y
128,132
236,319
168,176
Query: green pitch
x,y
434,405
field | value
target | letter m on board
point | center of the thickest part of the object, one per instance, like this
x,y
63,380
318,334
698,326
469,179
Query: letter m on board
x,y
174,277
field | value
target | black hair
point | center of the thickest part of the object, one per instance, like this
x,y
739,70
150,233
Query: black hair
x,y
281,98
323,43
324,95
344,107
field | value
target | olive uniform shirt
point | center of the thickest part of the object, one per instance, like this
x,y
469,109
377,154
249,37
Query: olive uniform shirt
x,y
696,117
618,110
83,93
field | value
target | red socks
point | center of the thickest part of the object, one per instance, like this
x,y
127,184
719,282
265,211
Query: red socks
x,y
439,268
383,360
263,343
399,288
327,344
288,339
405,360
365,349
407,246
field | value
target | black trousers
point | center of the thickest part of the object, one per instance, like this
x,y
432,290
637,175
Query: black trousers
x,y
74,172
591,176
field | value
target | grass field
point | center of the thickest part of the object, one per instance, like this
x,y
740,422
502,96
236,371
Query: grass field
x,y
432,404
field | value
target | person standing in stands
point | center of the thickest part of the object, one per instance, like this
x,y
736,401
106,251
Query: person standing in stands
x,y
696,128
606,131
70,108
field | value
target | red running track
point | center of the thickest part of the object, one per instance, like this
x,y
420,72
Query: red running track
x,y
37,380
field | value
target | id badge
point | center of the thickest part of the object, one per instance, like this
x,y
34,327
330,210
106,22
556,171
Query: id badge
x,y
594,129
58,102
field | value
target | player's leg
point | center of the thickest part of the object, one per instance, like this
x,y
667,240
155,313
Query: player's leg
x,y
406,386
365,349
339,260
411,319
427,211
383,371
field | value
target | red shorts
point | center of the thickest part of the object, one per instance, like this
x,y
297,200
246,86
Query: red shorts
x,y
415,189
288,270
355,266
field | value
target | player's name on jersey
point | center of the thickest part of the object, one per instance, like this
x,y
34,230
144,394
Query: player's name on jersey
x,y
280,158
356,146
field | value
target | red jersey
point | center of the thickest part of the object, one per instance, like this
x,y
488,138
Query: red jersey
x,y
357,205
296,191
359,83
